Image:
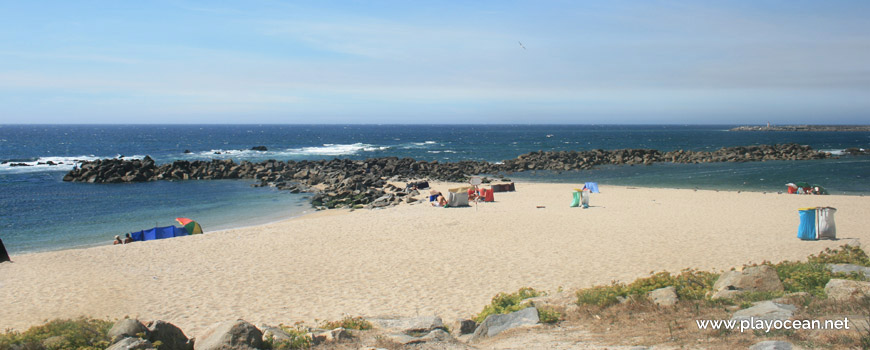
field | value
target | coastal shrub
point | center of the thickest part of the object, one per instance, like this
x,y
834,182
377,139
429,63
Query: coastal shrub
x,y
79,334
689,284
504,303
548,315
348,322
845,254
299,338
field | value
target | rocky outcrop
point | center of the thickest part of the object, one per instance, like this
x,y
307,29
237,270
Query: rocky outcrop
x,y
133,344
762,278
849,269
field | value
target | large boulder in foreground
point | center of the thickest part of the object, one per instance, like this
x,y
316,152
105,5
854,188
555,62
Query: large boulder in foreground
x,y
762,278
495,324
127,328
838,289
666,296
170,336
230,335
420,324
133,344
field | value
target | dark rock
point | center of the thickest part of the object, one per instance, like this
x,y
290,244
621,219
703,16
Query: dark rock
x,y
259,148
171,337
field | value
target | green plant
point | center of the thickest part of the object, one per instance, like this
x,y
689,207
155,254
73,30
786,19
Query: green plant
x,y
80,334
689,285
298,338
845,254
601,295
348,322
548,315
504,303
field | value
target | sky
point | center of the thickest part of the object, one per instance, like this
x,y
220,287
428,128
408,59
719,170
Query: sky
x,y
503,62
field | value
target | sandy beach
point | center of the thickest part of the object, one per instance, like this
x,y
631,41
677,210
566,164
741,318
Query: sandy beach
x,y
416,259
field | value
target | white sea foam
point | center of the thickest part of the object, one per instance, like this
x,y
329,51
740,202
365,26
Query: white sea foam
x,y
328,149
42,164
835,152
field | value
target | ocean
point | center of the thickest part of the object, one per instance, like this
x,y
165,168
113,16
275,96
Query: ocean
x,y
40,212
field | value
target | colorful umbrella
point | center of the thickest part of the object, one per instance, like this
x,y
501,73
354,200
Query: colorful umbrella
x,y
191,226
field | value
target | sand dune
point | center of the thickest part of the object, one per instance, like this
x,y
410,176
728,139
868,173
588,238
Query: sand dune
x,y
416,259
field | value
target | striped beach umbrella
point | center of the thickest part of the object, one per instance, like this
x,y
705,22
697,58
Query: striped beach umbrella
x,y
191,226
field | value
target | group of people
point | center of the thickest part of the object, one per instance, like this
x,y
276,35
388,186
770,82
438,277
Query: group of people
x,y
125,241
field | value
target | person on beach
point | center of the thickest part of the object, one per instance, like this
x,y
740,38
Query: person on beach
x,y
128,239
117,240
436,195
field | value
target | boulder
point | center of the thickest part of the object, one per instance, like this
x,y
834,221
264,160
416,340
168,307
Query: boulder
x,y
128,327
839,289
766,310
463,326
230,335
666,296
259,148
437,335
726,294
495,324
849,268
420,324
133,344
772,345
170,336
762,278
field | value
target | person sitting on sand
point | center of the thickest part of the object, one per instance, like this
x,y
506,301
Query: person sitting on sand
x,y
117,240
436,195
128,239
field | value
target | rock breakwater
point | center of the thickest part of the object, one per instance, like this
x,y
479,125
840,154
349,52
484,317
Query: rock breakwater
x,y
350,183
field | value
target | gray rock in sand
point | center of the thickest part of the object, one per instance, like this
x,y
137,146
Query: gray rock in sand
x,y
495,324
420,324
762,278
766,310
132,344
666,296
839,289
849,268
128,327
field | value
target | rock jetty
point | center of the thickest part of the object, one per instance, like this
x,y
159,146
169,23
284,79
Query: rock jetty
x,y
803,128
346,183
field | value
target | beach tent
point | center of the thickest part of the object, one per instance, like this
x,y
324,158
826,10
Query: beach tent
x,y
4,256
158,233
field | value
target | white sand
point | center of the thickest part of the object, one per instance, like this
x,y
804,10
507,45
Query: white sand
x,y
416,259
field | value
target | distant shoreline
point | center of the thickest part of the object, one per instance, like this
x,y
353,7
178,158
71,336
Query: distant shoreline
x,y
802,128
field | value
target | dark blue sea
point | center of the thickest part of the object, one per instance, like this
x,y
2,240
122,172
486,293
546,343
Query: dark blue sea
x,y
39,212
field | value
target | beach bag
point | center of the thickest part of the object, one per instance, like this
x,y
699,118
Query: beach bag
x,y
827,227
807,227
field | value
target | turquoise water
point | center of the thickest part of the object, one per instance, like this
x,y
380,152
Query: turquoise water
x,y
40,212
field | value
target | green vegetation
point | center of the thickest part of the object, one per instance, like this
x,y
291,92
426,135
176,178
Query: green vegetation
x,y
299,338
689,284
810,276
79,334
348,322
504,303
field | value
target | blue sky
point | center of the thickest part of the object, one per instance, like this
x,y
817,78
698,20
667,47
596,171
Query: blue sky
x,y
584,62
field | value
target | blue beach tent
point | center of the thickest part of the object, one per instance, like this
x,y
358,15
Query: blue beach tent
x,y
807,227
158,233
